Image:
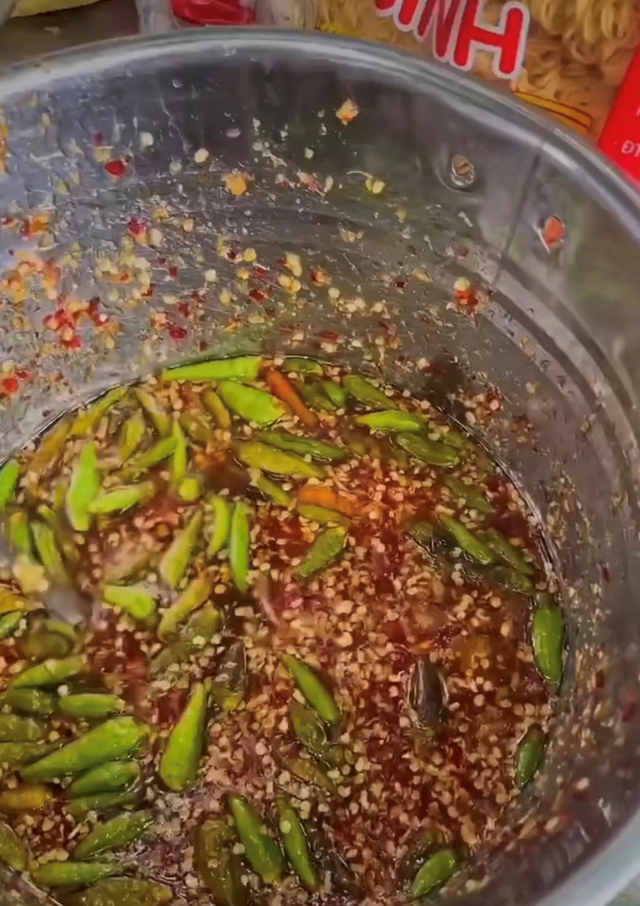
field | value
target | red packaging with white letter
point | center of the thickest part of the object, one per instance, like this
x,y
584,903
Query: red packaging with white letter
x,y
577,59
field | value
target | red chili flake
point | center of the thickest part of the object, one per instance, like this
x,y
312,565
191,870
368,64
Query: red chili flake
x,y
599,679
161,261
256,295
51,322
98,138
136,226
552,232
74,343
9,385
173,271
329,335
400,283
176,332
281,262
7,221
184,309
606,575
149,291
23,375
116,167
260,272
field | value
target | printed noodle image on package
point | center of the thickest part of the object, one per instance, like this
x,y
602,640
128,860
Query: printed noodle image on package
x,y
567,56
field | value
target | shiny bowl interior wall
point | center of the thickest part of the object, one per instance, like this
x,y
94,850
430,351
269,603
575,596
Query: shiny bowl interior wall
x,y
559,332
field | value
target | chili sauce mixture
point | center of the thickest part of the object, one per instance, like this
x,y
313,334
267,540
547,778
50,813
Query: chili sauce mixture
x,y
319,650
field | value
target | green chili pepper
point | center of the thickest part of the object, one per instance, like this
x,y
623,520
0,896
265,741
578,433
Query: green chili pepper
x,y
273,491
179,456
310,772
510,580
131,436
197,426
221,510
101,802
91,705
84,487
174,563
229,682
199,630
214,406
262,851
218,866
304,446
13,852
63,535
123,892
73,638
250,403
260,456
119,500
506,552
111,777
114,834
19,532
336,393
74,874
9,476
150,458
156,414
308,728
116,738
9,624
313,689
181,757
471,544
366,393
324,550
87,419
49,552
241,368
193,597
425,696
295,844
16,754
422,533
529,755
47,642
52,672
547,635
429,451
26,798
434,873
239,541
135,600
315,398
10,601
454,438
48,453
322,515
19,729
30,701
300,365
393,420
470,493
191,488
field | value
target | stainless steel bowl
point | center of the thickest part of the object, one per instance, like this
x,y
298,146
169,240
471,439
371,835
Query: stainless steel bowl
x,y
559,332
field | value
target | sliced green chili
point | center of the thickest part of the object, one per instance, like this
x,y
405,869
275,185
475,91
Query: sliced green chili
x,y
241,368
119,500
429,451
174,563
156,414
529,755
114,834
87,419
467,541
313,689
250,403
193,597
263,853
366,393
301,365
9,477
392,420
547,635
214,406
239,546
304,446
84,487
181,757
326,548
135,600
256,455
295,844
